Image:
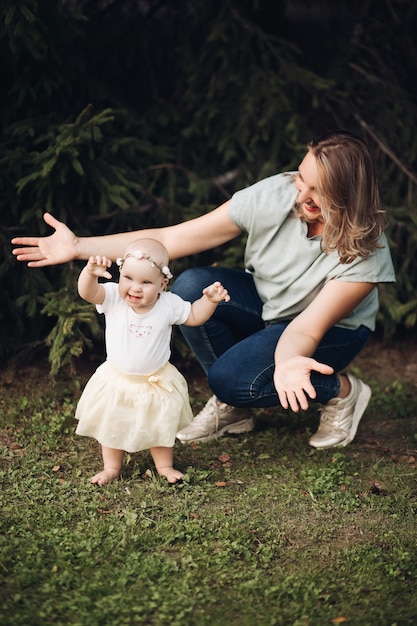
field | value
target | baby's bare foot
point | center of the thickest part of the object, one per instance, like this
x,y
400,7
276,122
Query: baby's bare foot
x,y
104,477
171,474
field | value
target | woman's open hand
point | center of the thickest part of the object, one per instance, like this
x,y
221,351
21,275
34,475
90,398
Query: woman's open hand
x,y
59,247
292,381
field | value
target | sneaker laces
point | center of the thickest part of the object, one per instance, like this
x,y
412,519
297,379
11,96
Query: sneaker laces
x,y
209,411
328,415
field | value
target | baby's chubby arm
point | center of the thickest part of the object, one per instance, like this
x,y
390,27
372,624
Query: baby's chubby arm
x,y
203,308
88,286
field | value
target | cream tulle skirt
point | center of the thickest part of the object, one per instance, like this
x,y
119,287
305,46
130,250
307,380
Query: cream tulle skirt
x,y
132,412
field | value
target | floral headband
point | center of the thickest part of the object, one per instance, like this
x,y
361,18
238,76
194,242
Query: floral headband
x,y
138,254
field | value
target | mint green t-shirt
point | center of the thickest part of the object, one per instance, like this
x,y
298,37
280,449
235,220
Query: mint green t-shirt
x,y
288,267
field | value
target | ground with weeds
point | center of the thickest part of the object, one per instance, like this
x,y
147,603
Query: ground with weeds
x,y
263,531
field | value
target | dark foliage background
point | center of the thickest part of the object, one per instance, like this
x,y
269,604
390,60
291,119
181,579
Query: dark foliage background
x,y
119,115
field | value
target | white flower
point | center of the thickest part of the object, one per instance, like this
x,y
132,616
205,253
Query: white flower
x,y
139,255
166,271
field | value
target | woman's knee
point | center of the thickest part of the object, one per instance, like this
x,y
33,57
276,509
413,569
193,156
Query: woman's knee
x,y
190,283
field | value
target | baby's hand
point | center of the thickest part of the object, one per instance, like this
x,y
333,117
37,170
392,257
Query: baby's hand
x,y
98,265
216,292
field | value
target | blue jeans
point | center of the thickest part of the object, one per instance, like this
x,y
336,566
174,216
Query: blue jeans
x,y
236,347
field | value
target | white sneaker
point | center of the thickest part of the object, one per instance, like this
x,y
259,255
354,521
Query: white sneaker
x,y
340,417
214,420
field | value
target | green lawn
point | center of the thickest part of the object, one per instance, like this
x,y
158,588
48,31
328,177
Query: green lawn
x,y
263,531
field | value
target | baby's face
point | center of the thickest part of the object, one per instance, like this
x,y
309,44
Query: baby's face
x,y
140,284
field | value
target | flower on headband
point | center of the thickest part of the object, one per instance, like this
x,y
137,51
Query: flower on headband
x,y
139,255
165,270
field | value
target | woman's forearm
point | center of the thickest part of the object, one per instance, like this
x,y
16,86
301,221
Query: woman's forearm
x,y
202,233
292,344
112,246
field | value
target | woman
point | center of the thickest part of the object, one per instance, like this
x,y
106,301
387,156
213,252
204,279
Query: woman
x,y
303,308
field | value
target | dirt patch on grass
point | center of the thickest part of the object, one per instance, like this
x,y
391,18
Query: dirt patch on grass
x,y
388,361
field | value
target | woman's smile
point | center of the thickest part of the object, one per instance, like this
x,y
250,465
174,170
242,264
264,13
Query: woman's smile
x,y
312,210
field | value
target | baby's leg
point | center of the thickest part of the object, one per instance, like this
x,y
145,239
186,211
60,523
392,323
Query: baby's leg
x,y
112,461
163,459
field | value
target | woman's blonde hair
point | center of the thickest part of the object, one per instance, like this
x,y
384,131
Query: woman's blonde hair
x,y
354,218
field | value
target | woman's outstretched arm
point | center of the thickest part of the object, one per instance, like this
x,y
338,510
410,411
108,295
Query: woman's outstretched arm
x,y
202,233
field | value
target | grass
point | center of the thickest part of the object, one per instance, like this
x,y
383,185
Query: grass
x,y
263,531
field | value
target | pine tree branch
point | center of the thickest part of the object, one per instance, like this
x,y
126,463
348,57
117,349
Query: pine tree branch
x,y
386,149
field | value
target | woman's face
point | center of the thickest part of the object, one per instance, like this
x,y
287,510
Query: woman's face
x,y
306,183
